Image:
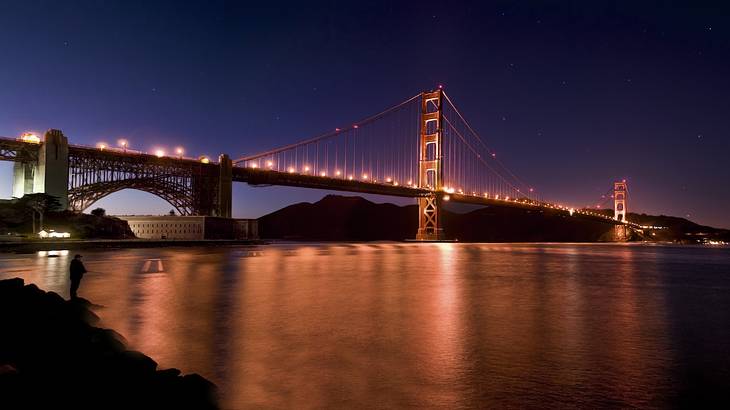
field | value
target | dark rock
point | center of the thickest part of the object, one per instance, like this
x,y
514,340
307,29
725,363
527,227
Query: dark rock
x,y
52,357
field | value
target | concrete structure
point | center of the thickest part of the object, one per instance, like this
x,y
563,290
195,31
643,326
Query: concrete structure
x,y
49,174
192,227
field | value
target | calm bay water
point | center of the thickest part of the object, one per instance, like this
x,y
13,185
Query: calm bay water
x,y
389,325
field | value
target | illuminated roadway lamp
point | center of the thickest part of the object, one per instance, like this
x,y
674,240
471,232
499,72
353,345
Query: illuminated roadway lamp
x,y
350,177
291,170
254,165
159,153
388,180
123,143
364,176
306,168
323,174
30,137
446,197
102,146
395,183
410,183
338,172
269,164
179,151
204,159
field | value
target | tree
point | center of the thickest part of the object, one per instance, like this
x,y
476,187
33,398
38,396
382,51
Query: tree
x,y
39,203
99,212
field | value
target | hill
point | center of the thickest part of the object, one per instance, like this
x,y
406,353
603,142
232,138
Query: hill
x,y
341,218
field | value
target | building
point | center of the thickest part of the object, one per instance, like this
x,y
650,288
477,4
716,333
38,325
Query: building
x,y
192,227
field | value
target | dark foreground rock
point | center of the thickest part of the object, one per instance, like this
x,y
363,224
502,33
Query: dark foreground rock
x,y
51,356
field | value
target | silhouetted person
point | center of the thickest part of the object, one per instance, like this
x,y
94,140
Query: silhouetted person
x,y
77,272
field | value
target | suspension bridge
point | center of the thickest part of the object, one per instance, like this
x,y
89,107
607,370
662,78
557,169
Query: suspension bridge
x,y
421,148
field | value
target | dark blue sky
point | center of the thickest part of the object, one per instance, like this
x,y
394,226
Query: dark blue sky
x,y
571,94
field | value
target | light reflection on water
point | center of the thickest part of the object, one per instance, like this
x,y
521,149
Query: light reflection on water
x,y
429,325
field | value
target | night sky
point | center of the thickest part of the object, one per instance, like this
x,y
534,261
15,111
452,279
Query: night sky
x,y
572,95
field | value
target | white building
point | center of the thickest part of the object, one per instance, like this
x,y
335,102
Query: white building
x,y
191,227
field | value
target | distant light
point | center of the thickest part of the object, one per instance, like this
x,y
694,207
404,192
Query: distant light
x,y
323,174
388,180
350,177
364,176
395,183
446,197
337,130
306,168
494,155
291,170
269,164
179,150
337,172
123,143
254,165
204,159
410,182
355,126
441,86
531,189
159,153
30,137
101,145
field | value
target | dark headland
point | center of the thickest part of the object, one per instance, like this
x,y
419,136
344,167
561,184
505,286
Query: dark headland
x,y
51,356
351,218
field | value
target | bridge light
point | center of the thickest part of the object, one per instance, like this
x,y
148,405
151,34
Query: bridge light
x,y
364,176
410,183
338,172
179,151
204,159
531,189
323,174
269,164
494,155
30,137
388,180
159,153
254,165
446,197
350,177
395,183
291,170
486,195
306,168
355,126
123,143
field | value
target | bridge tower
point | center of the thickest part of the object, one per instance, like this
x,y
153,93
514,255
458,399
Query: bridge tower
x,y
430,172
620,192
224,204
49,174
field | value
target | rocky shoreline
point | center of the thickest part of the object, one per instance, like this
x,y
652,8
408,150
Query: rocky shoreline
x,y
52,356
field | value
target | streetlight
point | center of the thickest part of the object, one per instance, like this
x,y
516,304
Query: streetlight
x,y
159,153
101,145
179,151
123,143
30,137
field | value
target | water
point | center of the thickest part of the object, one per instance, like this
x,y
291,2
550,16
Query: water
x,y
421,325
